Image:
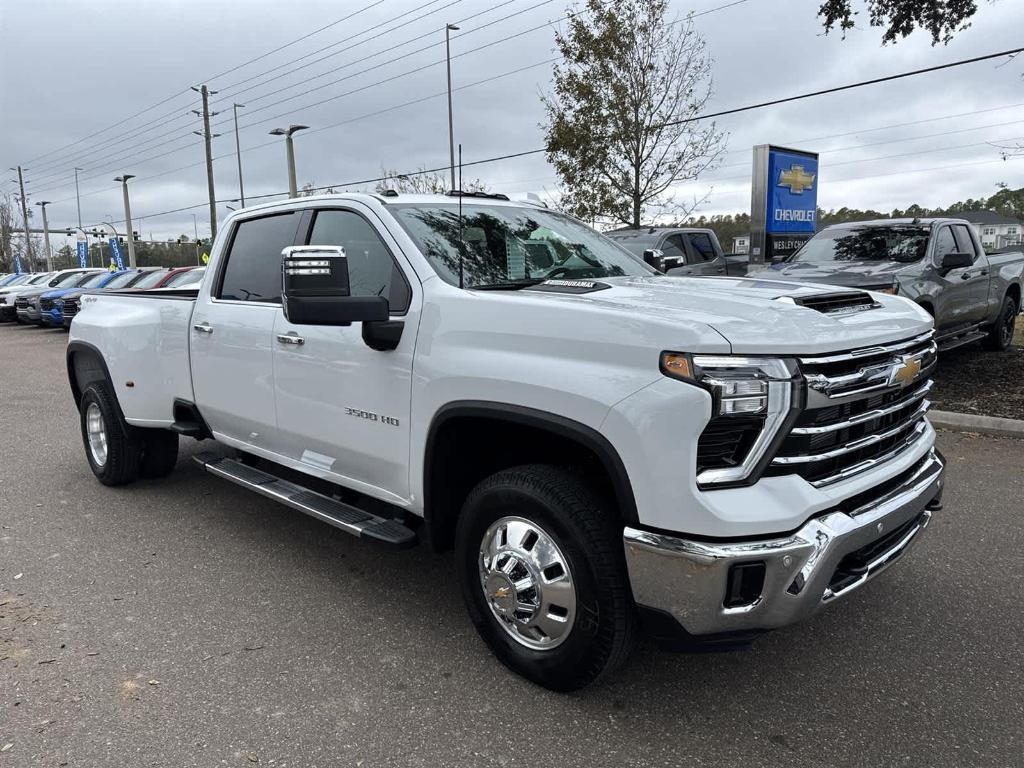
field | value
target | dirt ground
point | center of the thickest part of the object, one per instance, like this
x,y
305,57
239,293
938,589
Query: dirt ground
x,y
973,380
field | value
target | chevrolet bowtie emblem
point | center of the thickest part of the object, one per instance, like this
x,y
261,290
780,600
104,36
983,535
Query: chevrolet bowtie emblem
x,y
797,179
500,593
905,371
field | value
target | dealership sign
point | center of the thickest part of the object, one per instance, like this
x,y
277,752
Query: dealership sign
x,y
116,253
784,200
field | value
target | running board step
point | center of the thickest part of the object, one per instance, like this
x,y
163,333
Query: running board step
x,y
952,342
331,511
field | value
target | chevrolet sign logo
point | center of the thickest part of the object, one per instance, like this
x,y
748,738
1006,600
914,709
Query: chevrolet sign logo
x,y
797,179
905,371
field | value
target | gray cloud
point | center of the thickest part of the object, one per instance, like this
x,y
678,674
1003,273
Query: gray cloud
x,y
70,69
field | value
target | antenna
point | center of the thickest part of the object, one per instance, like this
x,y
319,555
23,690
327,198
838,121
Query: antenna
x,y
462,241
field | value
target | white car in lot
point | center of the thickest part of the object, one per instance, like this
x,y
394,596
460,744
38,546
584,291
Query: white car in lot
x,y
9,292
605,447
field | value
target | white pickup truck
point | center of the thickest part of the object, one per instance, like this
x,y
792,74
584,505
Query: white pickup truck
x,y
607,449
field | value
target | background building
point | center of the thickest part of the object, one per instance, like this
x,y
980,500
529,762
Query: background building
x,y
994,229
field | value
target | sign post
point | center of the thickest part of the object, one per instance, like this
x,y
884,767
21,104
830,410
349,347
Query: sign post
x,y
784,201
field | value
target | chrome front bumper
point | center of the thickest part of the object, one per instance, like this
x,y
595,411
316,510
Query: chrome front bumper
x,y
826,559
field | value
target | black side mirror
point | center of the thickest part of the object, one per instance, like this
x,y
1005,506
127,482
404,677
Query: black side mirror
x,y
655,258
956,260
315,289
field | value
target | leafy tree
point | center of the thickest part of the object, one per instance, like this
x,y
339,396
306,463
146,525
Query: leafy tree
x,y
621,129
942,18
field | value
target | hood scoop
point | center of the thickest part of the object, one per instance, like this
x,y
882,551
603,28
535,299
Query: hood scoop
x,y
837,303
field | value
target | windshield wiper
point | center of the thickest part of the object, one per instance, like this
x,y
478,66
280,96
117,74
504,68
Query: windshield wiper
x,y
508,285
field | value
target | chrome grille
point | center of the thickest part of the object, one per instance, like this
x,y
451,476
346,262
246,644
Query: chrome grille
x,y
21,304
46,304
70,307
864,407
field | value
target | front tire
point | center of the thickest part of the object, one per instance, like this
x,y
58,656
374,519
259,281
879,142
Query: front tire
x,y
1000,334
113,451
543,576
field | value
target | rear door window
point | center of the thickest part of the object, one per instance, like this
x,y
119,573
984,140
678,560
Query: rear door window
x,y
253,268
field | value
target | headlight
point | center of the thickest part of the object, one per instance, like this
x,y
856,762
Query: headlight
x,y
751,399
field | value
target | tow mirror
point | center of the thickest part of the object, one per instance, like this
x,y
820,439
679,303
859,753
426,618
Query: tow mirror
x,y
956,260
655,257
315,289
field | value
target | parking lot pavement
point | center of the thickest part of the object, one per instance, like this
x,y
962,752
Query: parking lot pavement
x,y
187,622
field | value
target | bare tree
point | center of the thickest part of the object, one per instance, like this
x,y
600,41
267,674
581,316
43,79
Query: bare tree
x,y
423,182
622,124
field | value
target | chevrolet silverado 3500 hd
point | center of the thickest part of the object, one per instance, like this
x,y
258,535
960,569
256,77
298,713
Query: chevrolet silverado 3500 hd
x,y
606,448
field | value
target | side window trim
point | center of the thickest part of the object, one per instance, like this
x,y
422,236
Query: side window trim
x,y
396,267
962,230
936,258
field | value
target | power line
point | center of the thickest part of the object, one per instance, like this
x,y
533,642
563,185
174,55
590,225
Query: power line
x,y
187,90
155,141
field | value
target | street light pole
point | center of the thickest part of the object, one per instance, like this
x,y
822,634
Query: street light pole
x,y
293,190
46,236
195,228
238,154
451,131
128,218
78,198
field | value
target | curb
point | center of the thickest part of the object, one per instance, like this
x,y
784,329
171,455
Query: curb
x,y
969,422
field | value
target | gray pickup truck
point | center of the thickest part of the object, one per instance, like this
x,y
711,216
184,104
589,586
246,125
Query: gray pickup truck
x,y
939,263
680,251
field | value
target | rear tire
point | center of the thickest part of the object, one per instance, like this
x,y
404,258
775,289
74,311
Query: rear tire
x,y
513,526
1000,334
159,452
111,447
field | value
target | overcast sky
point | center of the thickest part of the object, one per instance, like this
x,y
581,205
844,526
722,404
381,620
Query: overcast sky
x,y
70,69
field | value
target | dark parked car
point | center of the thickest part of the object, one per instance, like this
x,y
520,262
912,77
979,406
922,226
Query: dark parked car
x,y
680,251
938,263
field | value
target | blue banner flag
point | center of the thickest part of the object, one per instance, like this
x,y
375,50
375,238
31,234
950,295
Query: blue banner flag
x,y
116,252
17,265
82,249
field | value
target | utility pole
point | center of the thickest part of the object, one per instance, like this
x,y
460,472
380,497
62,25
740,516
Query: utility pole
x,y
195,228
46,236
451,131
238,154
78,198
24,216
128,218
205,93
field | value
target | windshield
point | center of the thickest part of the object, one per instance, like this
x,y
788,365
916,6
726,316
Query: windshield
x,y
15,280
504,245
68,280
94,280
636,241
37,279
150,279
121,280
902,243
186,279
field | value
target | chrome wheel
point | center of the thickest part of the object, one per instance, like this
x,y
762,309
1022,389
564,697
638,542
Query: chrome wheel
x,y
96,432
527,583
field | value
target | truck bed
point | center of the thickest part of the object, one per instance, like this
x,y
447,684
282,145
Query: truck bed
x,y
144,337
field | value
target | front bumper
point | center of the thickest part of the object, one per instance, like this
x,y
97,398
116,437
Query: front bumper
x,y
695,582
30,314
52,318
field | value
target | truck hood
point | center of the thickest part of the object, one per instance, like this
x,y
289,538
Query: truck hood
x,y
749,314
849,274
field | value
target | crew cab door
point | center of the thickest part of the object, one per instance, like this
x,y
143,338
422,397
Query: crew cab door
x,y
702,254
343,408
231,334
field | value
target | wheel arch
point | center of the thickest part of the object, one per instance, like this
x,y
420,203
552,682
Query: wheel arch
x,y
1014,292
85,365
457,431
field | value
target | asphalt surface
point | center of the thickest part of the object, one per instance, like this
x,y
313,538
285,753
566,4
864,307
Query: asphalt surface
x,y
187,622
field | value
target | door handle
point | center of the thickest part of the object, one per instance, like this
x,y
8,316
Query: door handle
x,y
720,270
203,327
290,338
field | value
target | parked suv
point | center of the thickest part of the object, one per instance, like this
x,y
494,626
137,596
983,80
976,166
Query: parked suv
x,y
604,447
28,303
